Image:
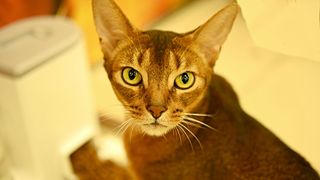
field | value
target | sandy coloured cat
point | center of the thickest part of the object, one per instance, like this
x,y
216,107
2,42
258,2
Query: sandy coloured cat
x,y
184,120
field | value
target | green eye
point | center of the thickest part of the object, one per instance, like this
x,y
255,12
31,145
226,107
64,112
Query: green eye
x,y
131,76
184,80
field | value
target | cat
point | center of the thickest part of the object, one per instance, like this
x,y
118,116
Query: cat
x,y
184,120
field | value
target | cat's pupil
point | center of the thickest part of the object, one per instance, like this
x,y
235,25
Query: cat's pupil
x,y
185,78
132,74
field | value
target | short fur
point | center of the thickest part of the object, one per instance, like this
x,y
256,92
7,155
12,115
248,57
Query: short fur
x,y
202,132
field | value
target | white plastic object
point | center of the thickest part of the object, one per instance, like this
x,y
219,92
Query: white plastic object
x,y
46,109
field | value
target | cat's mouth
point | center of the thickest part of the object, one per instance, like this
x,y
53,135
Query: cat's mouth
x,y
155,128
155,124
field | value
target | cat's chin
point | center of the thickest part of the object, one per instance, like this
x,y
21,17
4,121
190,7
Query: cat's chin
x,y
155,130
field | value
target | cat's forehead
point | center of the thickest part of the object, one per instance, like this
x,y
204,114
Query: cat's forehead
x,y
161,39
164,50
164,46
160,43
159,53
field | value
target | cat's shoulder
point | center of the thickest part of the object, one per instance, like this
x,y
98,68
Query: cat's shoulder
x,y
220,86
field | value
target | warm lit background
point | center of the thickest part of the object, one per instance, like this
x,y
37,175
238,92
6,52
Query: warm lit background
x,y
272,57
141,13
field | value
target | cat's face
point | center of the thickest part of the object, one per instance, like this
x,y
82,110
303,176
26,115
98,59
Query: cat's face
x,y
160,77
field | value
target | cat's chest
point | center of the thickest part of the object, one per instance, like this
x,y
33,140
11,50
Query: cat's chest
x,y
184,165
186,161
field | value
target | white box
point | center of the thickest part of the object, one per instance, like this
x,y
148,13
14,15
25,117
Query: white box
x,y
46,108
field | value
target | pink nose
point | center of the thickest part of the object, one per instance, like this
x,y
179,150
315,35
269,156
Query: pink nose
x,y
156,111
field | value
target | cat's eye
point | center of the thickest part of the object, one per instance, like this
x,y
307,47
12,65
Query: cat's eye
x,y
184,80
131,76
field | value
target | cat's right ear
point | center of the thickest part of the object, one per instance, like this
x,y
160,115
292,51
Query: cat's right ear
x,y
111,24
209,37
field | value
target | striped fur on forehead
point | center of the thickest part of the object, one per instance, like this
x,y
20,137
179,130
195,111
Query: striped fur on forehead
x,y
160,41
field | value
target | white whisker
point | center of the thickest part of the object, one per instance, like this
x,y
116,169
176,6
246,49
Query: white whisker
x,y
127,127
184,132
178,134
122,126
191,123
192,135
132,128
174,132
199,122
197,114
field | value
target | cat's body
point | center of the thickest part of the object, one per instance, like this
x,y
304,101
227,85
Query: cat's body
x,y
240,148
184,121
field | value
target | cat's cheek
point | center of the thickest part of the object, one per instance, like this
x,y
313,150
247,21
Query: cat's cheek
x,y
194,102
124,94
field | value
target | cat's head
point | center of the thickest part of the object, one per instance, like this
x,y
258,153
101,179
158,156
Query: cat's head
x,y
159,76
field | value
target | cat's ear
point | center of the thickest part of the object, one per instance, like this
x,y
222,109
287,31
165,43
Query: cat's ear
x,y
111,24
210,36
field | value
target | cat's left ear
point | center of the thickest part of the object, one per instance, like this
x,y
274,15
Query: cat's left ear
x,y
111,24
209,37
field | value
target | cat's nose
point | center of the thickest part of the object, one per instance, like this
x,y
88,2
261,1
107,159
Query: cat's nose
x,y
156,111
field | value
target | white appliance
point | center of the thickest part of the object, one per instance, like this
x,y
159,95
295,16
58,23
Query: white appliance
x,y
46,109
